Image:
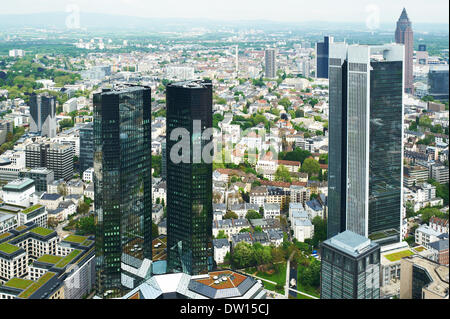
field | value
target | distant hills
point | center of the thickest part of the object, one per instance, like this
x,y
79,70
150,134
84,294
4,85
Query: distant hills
x,y
97,21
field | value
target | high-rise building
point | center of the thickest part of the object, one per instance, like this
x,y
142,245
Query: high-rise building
x,y
43,115
271,66
55,157
122,185
164,159
189,180
350,267
322,52
438,82
404,35
86,147
365,147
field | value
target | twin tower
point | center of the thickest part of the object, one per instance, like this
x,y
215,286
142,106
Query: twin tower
x,y
123,186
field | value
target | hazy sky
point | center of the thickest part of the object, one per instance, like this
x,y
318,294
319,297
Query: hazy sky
x,y
276,10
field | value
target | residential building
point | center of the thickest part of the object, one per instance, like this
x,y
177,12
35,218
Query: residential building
x,y
221,248
425,235
270,64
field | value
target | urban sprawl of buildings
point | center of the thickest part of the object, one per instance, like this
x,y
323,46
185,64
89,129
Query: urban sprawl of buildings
x,y
207,171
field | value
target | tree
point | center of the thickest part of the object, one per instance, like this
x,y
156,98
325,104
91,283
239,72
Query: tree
x,y
155,231
297,155
66,123
311,166
282,174
86,226
320,231
230,215
221,235
83,208
243,255
252,214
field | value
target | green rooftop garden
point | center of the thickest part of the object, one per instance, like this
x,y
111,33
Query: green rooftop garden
x,y
399,255
31,209
19,283
38,284
42,231
4,235
87,243
8,248
419,249
20,228
50,259
75,239
66,260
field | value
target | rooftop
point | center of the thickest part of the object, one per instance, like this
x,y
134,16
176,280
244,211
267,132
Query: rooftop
x,y
350,243
19,184
19,283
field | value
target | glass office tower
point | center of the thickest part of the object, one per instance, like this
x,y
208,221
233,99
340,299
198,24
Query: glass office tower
x,y
189,182
86,147
322,57
122,183
366,157
350,267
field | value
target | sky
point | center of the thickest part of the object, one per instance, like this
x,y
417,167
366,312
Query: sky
x,y
385,11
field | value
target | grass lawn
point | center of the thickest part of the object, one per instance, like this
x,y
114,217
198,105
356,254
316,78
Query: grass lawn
x,y
272,287
299,296
50,259
19,283
278,277
42,231
8,248
75,239
66,260
399,255
306,288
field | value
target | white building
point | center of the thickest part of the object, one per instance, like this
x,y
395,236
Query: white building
x,y
221,248
19,192
425,235
88,175
271,210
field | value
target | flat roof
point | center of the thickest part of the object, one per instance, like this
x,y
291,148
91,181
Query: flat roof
x,y
350,242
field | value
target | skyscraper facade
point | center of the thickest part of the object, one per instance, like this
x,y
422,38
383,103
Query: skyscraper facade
x,y
86,147
271,69
189,182
404,35
43,115
122,185
366,151
438,82
350,267
322,54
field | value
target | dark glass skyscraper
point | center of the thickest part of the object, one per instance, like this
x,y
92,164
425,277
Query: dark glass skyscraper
x,y
350,267
365,157
86,147
322,55
404,35
189,182
122,183
438,82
